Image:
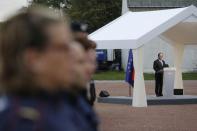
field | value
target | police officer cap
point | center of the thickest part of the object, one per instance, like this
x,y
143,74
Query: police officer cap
x,y
79,27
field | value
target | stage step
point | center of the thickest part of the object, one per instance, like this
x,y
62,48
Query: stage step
x,y
151,100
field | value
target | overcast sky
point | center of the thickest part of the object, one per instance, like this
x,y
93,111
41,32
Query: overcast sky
x,y
9,7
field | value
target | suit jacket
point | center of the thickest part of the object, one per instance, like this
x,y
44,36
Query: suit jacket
x,y
89,93
158,67
92,92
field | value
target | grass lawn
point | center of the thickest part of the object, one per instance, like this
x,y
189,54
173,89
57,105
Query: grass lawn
x,y
116,75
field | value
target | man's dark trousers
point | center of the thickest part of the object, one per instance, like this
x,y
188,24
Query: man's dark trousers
x,y
158,84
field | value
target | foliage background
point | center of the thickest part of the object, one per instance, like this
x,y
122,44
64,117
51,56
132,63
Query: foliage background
x,y
96,13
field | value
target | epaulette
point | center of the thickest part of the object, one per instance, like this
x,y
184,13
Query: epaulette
x,y
29,113
3,103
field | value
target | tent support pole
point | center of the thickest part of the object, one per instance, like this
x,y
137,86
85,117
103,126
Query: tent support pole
x,y
178,59
139,93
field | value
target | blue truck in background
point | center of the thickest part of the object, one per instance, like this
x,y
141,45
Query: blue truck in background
x,y
101,55
105,64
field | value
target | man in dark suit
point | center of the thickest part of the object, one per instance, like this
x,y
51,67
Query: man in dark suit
x,y
158,66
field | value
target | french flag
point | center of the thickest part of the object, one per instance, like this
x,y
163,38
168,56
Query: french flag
x,y
130,72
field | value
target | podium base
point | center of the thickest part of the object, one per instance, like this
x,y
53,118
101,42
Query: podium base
x,y
178,91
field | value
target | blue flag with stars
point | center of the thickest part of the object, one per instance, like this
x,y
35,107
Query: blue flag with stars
x,y
130,72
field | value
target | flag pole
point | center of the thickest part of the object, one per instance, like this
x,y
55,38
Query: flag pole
x,y
129,90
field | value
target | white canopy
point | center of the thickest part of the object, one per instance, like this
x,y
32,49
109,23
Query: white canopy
x,y
135,29
9,7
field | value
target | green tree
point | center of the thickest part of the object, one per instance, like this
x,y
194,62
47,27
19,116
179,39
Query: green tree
x,y
51,3
96,13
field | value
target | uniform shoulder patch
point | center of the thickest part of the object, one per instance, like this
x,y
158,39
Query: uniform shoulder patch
x,y
3,103
29,113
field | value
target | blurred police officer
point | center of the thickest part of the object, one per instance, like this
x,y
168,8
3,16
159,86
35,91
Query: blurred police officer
x,y
83,77
80,32
37,75
158,66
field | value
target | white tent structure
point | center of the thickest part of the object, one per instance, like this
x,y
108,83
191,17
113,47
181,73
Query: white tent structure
x,y
9,7
135,29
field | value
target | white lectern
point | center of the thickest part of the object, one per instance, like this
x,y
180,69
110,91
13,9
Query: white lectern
x,y
168,81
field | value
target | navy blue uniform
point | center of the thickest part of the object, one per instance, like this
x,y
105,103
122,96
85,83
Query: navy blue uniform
x,y
46,113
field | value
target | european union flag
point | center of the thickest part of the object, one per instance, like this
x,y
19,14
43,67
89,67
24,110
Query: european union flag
x,y
130,69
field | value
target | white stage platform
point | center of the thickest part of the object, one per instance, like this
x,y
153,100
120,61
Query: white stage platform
x,y
151,100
